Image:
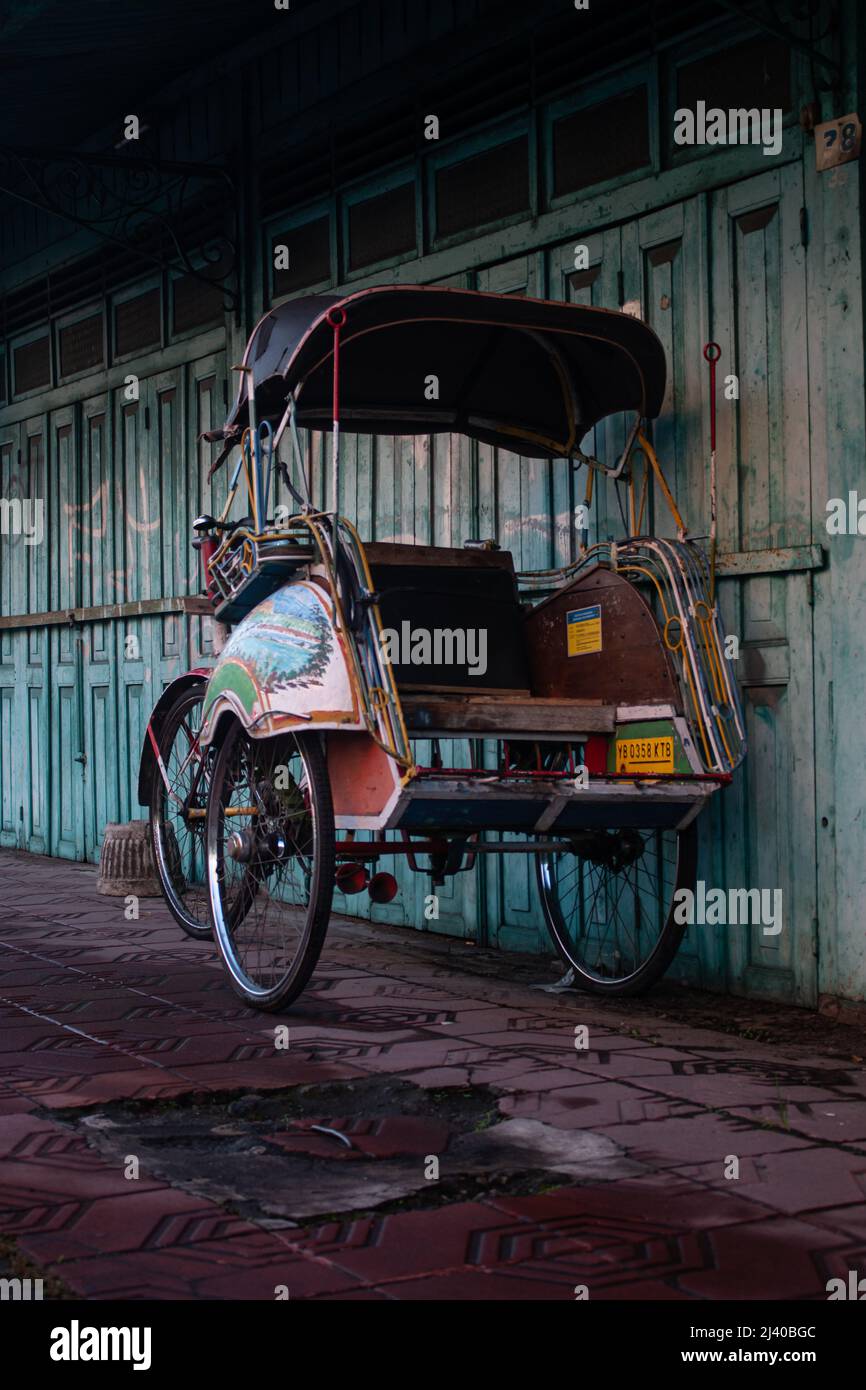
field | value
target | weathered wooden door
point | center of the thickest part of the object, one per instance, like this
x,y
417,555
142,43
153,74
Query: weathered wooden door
x,y
727,266
160,467
99,587
65,641
730,267
765,827
10,704
25,680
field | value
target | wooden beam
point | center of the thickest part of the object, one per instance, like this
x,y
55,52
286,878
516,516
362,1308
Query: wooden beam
x,y
780,560
193,604
532,718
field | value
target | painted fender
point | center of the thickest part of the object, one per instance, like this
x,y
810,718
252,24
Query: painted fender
x,y
147,767
284,667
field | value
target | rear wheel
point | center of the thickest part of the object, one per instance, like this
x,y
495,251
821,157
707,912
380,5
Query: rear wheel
x,y
608,900
270,862
177,814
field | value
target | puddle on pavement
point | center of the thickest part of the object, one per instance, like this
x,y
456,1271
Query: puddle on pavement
x,y
309,1152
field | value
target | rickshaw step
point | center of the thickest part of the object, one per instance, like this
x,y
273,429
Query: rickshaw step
x,y
435,805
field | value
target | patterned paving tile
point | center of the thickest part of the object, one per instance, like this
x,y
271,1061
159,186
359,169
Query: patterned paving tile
x,y
232,1269
794,1178
95,1009
776,1258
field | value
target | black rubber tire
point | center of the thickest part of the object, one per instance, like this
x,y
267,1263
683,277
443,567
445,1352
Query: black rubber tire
x,y
669,938
321,884
192,912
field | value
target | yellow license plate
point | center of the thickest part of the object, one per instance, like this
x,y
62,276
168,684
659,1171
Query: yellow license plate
x,y
645,754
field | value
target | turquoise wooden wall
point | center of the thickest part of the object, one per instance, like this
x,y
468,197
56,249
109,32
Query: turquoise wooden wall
x,y
762,255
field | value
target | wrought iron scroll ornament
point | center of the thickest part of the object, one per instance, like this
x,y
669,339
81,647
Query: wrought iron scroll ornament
x,y
160,210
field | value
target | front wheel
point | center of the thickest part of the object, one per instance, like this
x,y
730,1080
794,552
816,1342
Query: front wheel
x,y
270,862
608,900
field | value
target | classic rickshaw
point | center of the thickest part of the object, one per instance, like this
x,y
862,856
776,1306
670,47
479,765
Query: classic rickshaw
x,y
603,720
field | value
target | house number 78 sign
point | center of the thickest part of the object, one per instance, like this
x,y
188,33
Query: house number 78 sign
x,y
837,142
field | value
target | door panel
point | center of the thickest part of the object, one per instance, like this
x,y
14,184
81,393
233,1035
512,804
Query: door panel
x,y
764,492
31,595
739,252
65,642
137,539
596,286
195,492
12,720
664,257
99,686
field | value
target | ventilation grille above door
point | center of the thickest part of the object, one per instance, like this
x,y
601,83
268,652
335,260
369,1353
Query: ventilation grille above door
x,y
32,365
382,227
309,248
137,323
601,142
484,188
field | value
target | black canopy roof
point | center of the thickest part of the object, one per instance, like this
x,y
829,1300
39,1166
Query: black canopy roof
x,y
526,374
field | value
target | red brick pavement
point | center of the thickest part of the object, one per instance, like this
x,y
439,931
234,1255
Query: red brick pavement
x,y
94,1009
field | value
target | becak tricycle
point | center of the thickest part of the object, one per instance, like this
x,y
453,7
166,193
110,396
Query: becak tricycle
x,y
599,710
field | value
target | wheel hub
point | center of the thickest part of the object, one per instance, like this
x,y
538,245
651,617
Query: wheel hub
x,y
614,850
267,849
241,846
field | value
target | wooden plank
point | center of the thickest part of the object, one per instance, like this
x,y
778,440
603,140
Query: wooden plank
x,y
494,692
502,697
138,608
497,717
836,412
779,560
394,553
